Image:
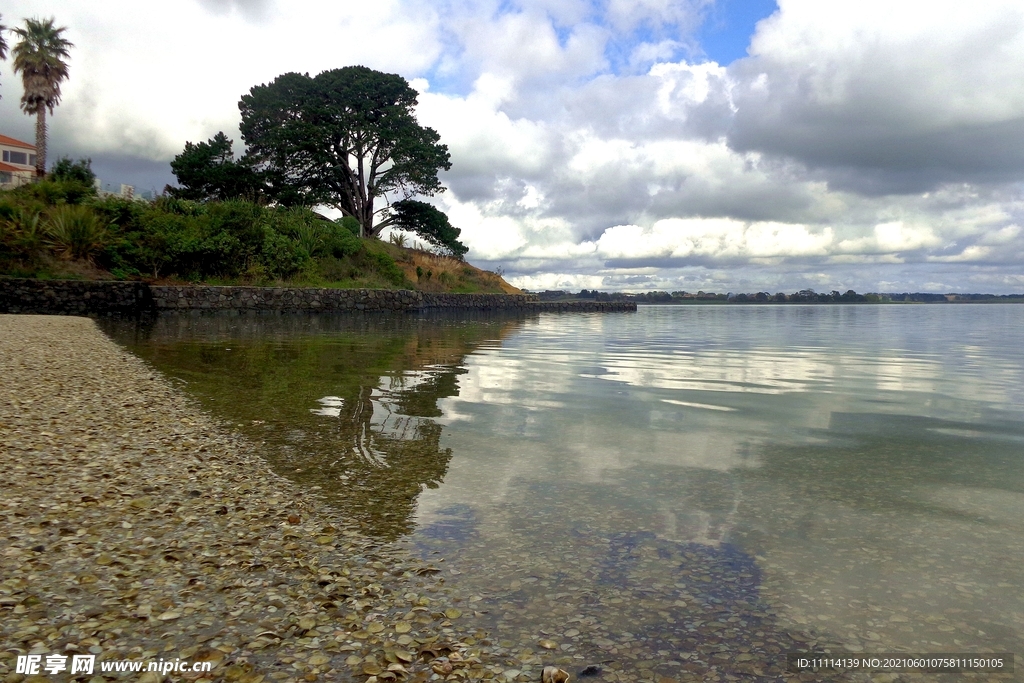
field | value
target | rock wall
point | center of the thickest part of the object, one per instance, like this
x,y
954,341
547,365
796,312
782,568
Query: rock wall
x,y
70,297
284,299
73,297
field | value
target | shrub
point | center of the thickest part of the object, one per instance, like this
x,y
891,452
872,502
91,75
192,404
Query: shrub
x,y
311,238
381,263
214,240
75,171
20,229
351,224
75,232
281,256
342,242
334,269
126,214
50,192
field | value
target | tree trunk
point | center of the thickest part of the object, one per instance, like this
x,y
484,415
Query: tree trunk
x,y
41,142
367,217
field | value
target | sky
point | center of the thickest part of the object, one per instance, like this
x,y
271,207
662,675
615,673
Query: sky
x,y
716,145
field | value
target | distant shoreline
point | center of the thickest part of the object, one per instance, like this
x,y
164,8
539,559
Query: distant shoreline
x,y
1013,300
807,296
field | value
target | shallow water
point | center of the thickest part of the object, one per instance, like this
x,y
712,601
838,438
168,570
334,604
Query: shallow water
x,y
679,492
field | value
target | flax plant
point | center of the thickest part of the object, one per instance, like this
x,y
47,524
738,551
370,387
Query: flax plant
x,y
75,232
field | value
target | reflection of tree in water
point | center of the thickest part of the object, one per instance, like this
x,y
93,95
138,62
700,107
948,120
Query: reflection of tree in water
x,y
343,403
386,449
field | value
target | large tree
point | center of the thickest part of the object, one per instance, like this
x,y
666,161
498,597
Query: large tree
x,y
41,58
345,138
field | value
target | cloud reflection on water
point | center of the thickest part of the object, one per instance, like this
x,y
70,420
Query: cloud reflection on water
x,y
819,468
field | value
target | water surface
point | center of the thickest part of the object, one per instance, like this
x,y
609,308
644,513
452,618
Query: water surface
x,y
684,492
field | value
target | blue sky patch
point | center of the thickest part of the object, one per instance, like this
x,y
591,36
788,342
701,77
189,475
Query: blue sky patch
x,y
725,34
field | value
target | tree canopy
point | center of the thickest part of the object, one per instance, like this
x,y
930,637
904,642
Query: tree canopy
x,y
429,223
3,41
345,138
208,170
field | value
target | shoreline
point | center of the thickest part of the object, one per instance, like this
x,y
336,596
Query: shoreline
x,y
138,527
84,297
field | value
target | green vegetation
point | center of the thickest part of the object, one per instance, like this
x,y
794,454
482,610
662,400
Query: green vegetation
x,y
208,170
430,224
3,41
59,227
347,138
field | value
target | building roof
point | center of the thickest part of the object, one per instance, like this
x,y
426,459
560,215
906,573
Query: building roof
x,y
12,169
11,142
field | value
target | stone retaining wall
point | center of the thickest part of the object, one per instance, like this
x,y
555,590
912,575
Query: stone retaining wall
x,y
73,297
70,297
298,299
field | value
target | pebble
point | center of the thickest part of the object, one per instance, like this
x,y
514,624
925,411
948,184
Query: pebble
x,y
138,527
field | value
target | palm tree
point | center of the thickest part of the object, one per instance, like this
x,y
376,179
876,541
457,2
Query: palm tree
x,y
40,57
3,43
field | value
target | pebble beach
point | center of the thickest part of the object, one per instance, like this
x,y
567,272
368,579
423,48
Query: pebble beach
x,y
136,527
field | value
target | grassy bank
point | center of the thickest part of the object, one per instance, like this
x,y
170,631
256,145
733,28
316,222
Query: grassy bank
x,y
60,229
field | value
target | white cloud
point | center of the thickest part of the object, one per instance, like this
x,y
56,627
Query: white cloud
x,y
626,15
571,282
720,238
145,82
885,95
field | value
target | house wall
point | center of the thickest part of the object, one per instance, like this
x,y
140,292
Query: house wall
x,y
12,171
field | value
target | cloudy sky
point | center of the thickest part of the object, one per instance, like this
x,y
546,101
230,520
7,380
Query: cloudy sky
x,y
723,145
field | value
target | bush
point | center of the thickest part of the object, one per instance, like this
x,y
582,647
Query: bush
x,y
74,171
191,240
75,232
281,256
351,224
50,192
21,233
383,265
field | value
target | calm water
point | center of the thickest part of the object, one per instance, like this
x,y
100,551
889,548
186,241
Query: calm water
x,y
674,492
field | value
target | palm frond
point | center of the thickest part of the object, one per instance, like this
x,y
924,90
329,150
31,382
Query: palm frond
x,y
40,57
3,41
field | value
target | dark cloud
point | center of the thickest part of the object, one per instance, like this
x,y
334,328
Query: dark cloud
x,y
871,156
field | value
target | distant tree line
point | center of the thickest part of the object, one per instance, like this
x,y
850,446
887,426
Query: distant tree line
x,y
804,296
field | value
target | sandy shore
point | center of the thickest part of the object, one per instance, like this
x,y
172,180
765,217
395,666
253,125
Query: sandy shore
x,y
136,527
